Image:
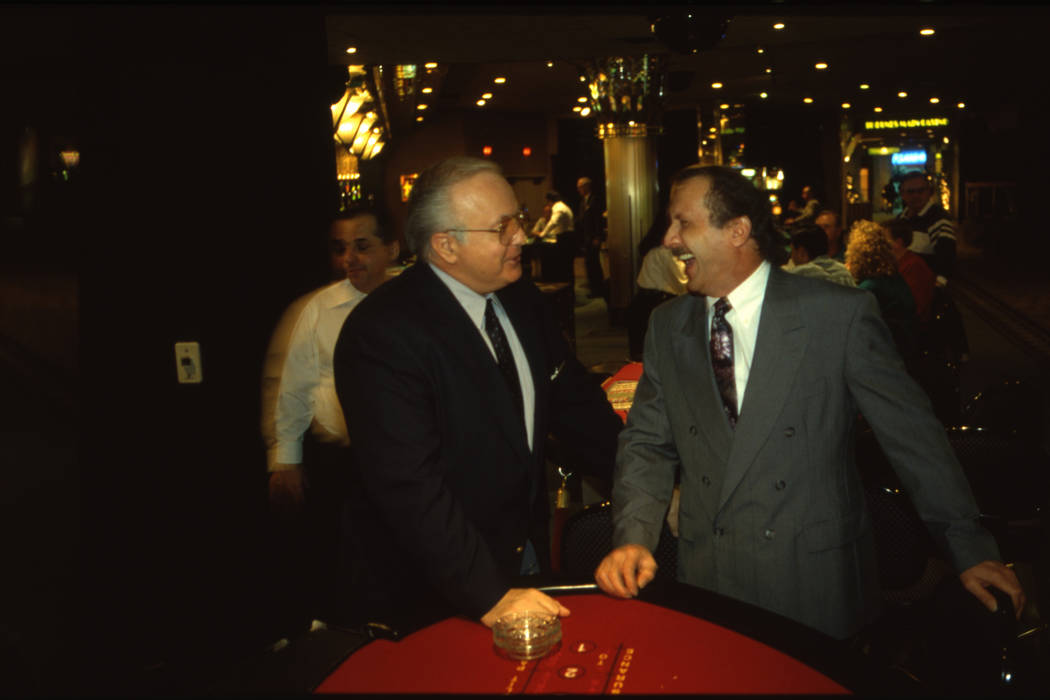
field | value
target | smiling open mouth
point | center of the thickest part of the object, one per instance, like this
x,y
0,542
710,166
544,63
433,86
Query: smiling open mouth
x,y
685,257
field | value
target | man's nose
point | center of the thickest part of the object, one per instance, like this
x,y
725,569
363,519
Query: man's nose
x,y
670,237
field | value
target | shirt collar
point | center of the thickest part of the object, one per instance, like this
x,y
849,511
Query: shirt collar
x,y
342,292
747,298
472,302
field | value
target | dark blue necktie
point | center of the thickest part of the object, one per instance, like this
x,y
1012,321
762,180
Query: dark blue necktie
x,y
503,356
722,359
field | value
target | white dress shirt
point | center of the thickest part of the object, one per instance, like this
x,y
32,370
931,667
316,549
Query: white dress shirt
x,y
743,318
298,380
561,220
474,304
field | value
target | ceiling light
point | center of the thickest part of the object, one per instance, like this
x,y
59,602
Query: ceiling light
x,y
487,96
499,81
928,31
577,108
769,70
526,151
631,123
581,100
760,50
763,95
821,66
716,86
419,118
808,100
550,64
946,139
878,109
934,100
427,90
585,111
778,26
480,103
583,79
351,49
430,66
846,105
961,105
713,129
421,107
902,94
864,86
486,150
723,106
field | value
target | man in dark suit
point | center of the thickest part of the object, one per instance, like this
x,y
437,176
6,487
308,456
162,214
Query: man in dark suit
x,y
451,376
759,413
591,233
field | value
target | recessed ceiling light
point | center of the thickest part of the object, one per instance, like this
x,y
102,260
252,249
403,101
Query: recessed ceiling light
x,y
550,64
716,86
351,49
961,105
928,31
778,26
902,94
808,100
864,86
821,66
487,96
846,105
713,129
480,103
723,106
769,70
419,118
763,95
430,65
585,111
421,107
934,100
760,50
946,139
581,100
427,90
583,79
577,108
878,109
499,81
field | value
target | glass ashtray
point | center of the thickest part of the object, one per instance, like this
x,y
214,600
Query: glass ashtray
x,y
524,636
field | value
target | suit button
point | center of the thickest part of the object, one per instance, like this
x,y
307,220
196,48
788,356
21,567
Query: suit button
x,y
692,430
769,534
789,432
780,485
706,481
719,531
519,549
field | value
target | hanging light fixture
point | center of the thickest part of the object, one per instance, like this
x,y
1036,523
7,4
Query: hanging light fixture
x,y
354,118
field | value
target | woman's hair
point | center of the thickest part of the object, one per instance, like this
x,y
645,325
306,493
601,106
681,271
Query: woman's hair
x,y
869,254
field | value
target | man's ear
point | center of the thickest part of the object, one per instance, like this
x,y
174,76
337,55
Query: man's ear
x,y
395,250
739,230
444,246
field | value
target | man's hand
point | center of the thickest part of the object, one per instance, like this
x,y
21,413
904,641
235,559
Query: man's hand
x,y
520,600
626,570
286,489
993,573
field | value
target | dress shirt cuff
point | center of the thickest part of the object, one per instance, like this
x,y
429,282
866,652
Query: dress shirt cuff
x,y
284,456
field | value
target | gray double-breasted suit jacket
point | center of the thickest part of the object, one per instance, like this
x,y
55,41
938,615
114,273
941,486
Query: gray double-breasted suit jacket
x,y
773,513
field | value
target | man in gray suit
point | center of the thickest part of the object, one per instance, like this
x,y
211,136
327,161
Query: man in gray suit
x,y
772,510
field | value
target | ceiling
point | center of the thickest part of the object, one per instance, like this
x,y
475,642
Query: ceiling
x,y
978,55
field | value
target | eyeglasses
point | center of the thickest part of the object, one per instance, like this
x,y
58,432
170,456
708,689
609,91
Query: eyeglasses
x,y
509,227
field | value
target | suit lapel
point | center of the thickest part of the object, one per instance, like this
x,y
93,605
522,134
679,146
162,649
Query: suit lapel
x,y
779,348
692,358
446,313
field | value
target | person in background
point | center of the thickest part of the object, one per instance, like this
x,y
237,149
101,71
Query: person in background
x,y
809,248
452,376
912,267
557,263
933,232
808,213
751,388
591,233
303,427
832,225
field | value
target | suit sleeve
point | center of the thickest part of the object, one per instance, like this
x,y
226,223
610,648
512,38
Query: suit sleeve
x,y
913,439
647,458
392,412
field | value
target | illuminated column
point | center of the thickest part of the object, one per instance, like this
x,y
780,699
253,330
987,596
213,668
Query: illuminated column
x,y
624,95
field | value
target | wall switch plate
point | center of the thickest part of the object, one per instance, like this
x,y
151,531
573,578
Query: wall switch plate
x,y
188,363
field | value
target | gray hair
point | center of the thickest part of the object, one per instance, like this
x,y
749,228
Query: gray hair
x,y
430,208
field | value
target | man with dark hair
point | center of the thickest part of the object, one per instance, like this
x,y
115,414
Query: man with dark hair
x,y
809,253
591,233
933,232
751,388
556,257
832,225
452,376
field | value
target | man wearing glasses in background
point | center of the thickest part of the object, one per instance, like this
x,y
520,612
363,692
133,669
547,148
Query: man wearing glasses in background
x,y
451,377
933,235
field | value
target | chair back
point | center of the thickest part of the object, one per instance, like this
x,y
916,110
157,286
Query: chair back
x,y
587,539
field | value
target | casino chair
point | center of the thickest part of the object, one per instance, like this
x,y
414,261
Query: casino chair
x,y
587,538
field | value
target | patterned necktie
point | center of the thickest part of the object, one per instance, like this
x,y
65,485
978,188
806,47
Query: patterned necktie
x,y
503,355
722,359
